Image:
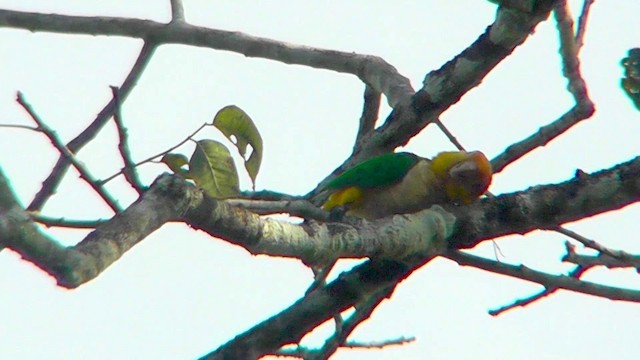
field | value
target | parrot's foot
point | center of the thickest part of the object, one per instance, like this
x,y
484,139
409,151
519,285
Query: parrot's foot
x,y
337,213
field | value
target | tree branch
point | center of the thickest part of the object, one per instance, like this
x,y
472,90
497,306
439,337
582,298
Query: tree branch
x,y
399,237
582,24
177,11
547,206
444,87
549,281
369,115
371,69
318,306
582,110
624,260
73,266
69,156
129,169
50,185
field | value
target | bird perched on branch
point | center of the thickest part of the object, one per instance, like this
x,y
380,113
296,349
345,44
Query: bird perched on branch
x,y
399,183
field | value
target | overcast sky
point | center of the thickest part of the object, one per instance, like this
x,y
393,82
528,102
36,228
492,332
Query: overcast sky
x,y
180,294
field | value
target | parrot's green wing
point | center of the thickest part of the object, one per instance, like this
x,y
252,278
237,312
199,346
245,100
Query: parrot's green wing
x,y
378,171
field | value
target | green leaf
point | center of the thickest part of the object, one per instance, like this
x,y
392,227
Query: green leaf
x,y
211,167
176,163
234,123
631,81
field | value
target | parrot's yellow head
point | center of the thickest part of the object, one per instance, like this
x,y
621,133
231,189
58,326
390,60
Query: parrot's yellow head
x,y
465,175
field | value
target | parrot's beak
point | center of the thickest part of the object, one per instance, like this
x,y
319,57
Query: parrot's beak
x,y
464,170
474,173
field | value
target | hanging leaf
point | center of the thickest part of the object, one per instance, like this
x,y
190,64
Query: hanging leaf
x,y
238,127
212,168
631,81
176,162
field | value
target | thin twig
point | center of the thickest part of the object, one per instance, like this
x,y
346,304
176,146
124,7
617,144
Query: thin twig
x,y
16,126
66,223
320,275
378,344
582,24
601,259
129,170
448,134
545,279
150,158
51,183
576,273
58,144
618,254
363,311
569,52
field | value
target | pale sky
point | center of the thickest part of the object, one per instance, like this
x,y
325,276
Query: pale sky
x,y
180,294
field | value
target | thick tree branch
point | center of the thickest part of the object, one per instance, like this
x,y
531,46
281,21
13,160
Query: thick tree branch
x,y
318,306
170,197
371,69
75,265
547,206
362,312
403,236
445,86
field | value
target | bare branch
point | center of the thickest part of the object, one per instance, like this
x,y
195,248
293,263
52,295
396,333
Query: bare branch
x,y
547,280
618,254
177,11
583,109
448,134
396,237
370,111
313,309
17,126
378,344
66,223
69,156
362,313
569,51
73,266
576,273
602,259
50,185
129,170
542,137
371,69
445,86
582,24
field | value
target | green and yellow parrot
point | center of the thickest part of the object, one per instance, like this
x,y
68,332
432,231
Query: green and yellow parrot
x,y
400,183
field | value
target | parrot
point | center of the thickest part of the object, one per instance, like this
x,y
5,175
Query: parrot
x,y
400,183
